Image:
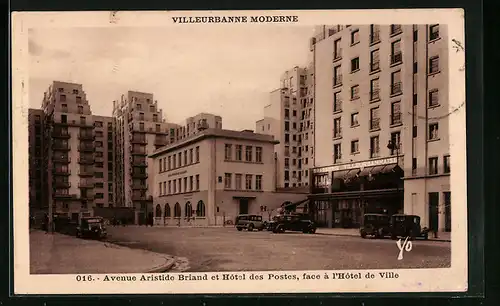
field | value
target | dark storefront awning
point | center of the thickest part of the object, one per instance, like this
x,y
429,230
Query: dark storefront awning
x,y
377,169
378,193
352,174
293,205
340,174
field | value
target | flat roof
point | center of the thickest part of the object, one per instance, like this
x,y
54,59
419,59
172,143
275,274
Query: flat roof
x,y
216,133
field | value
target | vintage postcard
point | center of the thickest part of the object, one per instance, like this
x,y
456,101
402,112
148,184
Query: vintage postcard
x,y
239,152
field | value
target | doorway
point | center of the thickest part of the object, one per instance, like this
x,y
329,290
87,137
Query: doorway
x,y
433,211
447,211
243,206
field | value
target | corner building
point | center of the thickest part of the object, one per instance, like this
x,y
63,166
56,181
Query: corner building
x,y
214,175
381,97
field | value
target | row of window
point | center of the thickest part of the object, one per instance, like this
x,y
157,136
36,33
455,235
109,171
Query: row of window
x,y
295,174
434,165
303,125
180,185
238,181
238,153
374,147
188,210
176,160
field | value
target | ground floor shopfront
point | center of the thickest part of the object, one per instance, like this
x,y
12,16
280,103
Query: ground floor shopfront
x,y
342,194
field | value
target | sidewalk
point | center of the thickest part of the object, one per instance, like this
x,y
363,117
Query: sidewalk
x,y
442,236
61,254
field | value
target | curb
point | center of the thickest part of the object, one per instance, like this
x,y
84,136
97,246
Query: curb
x,y
163,268
349,235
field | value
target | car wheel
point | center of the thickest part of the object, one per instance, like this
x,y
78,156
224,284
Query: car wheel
x,y
394,237
261,229
363,234
239,229
250,227
426,236
312,231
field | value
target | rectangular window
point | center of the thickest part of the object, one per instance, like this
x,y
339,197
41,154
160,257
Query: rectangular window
x,y
190,156
374,60
415,35
396,140
287,175
415,67
227,180
396,86
374,146
337,128
191,183
433,32
433,97
374,89
197,182
238,181
374,118
354,37
258,182
374,34
169,186
434,64
396,55
185,184
433,165
337,102
354,119
433,131
355,64
446,164
337,152
355,92
185,157
197,154
174,182
396,29
396,113
228,152
248,182
179,159
337,76
258,154
248,153
239,153
337,50
354,146
415,131
414,165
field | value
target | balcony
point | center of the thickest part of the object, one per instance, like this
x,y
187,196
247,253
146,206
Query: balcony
x,y
337,80
138,151
62,195
86,184
396,118
61,146
99,158
60,171
86,172
374,94
85,148
374,66
374,37
85,160
396,88
86,197
396,58
60,134
86,136
64,159
374,124
160,142
139,186
140,163
139,175
138,140
61,184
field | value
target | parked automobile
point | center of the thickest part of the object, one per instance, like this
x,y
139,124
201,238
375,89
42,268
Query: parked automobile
x,y
291,222
91,227
375,225
407,226
249,222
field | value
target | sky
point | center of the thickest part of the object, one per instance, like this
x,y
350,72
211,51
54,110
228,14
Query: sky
x,y
228,71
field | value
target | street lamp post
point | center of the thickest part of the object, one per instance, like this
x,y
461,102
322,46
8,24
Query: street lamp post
x,y
393,146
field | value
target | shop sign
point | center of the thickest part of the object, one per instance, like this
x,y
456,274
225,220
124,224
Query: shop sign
x,y
359,165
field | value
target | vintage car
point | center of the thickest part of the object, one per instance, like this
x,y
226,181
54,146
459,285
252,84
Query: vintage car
x,y
407,226
375,225
291,222
249,222
91,227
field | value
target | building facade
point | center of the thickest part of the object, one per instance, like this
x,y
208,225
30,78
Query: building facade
x,y
381,102
289,118
65,143
214,175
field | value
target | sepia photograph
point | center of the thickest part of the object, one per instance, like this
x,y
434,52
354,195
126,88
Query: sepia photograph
x,y
239,152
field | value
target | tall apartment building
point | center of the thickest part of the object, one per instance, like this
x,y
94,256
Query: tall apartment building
x,y
198,123
381,97
64,135
104,185
139,130
289,118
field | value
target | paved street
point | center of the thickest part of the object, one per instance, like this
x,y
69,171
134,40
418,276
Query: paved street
x,y
226,249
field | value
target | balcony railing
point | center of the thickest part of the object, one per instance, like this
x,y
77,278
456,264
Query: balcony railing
x,y
396,58
99,158
396,118
87,197
59,184
85,160
59,171
85,148
61,146
60,134
86,184
374,66
140,163
140,186
396,88
138,151
374,37
375,124
374,94
138,140
61,195
86,136
61,159
139,175
86,172
337,80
